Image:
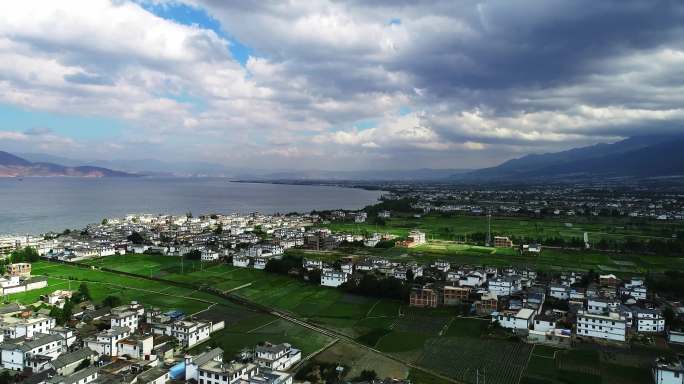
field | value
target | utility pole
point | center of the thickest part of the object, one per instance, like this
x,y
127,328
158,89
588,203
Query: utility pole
x,y
489,227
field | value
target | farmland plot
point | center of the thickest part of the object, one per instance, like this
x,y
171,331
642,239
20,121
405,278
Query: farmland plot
x,y
464,358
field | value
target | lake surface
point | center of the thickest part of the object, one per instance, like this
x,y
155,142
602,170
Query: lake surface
x,y
37,205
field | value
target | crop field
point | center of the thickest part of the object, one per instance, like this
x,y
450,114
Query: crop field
x,y
549,365
465,358
460,227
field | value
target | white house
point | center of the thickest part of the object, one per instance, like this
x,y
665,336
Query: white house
x,y
612,326
559,292
649,321
67,334
675,337
188,333
14,327
136,346
599,306
33,353
668,372
519,320
104,343
127,319
241,261
505,285
209,255
209,368
332,278
278,357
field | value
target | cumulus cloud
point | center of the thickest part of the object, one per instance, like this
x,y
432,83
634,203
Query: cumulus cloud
x,y
483,80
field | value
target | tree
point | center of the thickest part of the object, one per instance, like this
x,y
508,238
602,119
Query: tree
x,y
195,254
368,375
24,255
111,301
105,221
83,364
135,238
218,230
84,292
5,377
67,311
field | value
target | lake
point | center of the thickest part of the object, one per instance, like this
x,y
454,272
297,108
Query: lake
x,y
37,205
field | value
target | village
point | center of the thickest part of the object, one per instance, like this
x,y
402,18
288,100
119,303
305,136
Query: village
x,y
133,343
128,343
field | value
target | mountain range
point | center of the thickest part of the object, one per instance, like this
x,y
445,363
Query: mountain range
x,y
635,157
15,166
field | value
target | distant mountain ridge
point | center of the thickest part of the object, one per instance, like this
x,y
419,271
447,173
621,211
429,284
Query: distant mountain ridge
x,y
638,156
15,166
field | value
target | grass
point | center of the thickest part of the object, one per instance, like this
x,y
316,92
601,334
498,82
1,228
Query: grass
x,y
103,284
234,338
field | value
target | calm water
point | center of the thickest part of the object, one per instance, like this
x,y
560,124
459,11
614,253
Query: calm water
x,y
35,205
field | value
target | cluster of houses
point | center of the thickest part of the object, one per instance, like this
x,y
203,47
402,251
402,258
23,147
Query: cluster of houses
x,y
266,363
215,236
128,344
549,311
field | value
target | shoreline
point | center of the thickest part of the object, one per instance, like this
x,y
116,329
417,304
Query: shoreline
x,y
213,197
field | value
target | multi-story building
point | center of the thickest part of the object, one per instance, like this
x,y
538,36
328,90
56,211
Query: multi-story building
x,y
136,346
15,327
423,297
332,278
502,242
668,371
19,269
127,319
517,320
188,333
454,295
209,368
105,342
649,321
611,326
505,285
34,353
278,357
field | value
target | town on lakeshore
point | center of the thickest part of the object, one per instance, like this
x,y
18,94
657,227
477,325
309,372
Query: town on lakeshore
x,y
431,284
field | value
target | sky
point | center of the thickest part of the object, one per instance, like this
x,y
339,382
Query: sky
x,y
336,85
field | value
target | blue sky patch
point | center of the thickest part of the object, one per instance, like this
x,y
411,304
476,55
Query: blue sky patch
x,y
188,15
16,119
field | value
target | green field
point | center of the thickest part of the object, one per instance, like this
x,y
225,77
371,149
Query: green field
x,y
460,227
587,365
550,259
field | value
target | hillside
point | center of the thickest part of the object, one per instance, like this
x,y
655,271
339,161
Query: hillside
x,y
639,156
14,166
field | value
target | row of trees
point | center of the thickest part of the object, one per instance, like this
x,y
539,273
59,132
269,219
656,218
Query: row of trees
x,y
24,255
